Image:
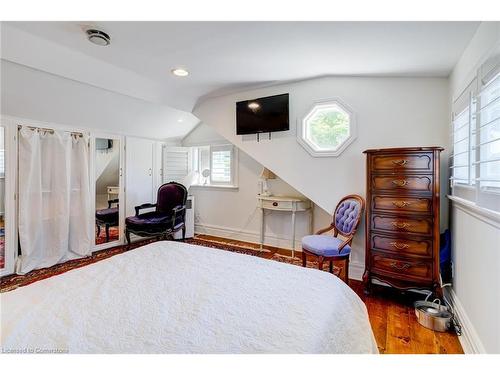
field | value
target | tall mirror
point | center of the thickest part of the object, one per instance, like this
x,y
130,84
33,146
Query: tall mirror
x,y
107,190
2,199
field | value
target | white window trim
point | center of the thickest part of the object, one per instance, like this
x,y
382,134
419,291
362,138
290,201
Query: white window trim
x,y
233,184
473,195
301,129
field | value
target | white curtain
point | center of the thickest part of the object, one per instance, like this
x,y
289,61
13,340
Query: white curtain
x,y
54,198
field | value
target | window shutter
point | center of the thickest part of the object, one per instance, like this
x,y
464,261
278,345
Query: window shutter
x,y
463,158
177,163
221,170
488,135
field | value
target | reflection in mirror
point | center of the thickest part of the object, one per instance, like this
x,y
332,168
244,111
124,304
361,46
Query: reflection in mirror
x,y
2,199
107,188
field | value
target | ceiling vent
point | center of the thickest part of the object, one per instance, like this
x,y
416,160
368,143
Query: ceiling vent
x,y
98,37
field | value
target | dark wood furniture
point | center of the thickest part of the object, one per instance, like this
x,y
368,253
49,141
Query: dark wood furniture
x,y
168,217
402,218
107,217
326,248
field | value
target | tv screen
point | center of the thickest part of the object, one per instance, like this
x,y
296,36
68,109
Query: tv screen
x,y
262,115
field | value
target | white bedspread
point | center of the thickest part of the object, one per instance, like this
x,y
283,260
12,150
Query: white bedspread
x,y
170,297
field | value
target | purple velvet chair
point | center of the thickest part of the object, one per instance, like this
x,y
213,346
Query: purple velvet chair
x,y
346,219
167,218
107,217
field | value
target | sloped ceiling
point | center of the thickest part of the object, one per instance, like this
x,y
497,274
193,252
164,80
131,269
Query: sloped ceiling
x,y
226,57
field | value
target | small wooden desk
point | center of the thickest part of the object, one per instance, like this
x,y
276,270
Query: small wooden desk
x,y
289,204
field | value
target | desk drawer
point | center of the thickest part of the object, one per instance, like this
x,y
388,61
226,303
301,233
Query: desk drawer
x,y
277,205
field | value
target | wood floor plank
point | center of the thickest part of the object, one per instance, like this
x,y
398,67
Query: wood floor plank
x,y
398,330
377,313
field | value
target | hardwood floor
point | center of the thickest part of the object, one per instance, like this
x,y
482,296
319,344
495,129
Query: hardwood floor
x,y
391,315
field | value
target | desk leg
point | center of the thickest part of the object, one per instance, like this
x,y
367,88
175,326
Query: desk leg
x,y
262,226
293,234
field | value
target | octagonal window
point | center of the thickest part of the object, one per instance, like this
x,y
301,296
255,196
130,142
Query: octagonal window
x,y
327,129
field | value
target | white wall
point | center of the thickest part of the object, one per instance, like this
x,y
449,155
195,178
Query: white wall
x,y
34,94
391,112
232,213
475,242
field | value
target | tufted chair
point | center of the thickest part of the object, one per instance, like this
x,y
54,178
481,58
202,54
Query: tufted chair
x,y
324,247
167,218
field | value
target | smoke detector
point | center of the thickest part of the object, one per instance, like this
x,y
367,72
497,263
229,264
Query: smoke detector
x,y
98,37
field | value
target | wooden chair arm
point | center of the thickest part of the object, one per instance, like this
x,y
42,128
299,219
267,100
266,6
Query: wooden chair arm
x,y
111,201
143,207
324,230
347,241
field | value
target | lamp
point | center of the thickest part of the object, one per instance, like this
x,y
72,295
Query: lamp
x,y
265,175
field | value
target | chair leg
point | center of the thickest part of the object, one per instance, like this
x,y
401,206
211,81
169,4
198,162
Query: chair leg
x,y
331,266
127,236
183,233
346,271
304,258
98,229
320,263
107,232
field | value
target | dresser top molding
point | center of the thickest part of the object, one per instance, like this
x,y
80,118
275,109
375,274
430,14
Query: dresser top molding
x,y
404,149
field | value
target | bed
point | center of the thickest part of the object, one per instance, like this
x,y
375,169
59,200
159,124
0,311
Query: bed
x,y
172,297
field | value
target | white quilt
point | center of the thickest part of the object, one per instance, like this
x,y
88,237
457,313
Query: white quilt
x,y
171,297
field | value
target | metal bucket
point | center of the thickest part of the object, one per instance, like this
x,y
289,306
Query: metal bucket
x,y
433,315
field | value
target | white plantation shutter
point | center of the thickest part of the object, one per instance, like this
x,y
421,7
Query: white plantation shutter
x,y
177,163
463,175
487,148
221,170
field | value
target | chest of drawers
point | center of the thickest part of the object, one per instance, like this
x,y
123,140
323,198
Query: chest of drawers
x,y
402,218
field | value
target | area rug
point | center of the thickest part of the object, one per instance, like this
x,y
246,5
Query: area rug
x,y
113,235
12,282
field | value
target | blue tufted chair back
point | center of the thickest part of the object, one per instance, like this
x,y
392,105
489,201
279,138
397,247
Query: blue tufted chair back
x,y
348,214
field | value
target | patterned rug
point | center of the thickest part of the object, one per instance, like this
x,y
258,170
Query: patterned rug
x,y
113,235
12,282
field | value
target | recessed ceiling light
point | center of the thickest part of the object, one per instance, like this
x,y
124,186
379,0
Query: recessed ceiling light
x,y
180,72
98,37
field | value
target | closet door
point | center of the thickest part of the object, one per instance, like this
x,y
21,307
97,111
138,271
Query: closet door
x,y
139,173
158,166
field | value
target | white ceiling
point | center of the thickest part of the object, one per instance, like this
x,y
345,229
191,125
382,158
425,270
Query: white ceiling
x,y
227,56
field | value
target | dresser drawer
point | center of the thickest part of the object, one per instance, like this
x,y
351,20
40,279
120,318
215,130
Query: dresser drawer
x,y
420,226
402,183
418,162
404,267
401,245
402,204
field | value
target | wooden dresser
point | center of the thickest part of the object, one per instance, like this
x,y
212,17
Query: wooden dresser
x,y
402,218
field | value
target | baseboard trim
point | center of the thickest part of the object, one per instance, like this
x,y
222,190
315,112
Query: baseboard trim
x,y
355,269
470,341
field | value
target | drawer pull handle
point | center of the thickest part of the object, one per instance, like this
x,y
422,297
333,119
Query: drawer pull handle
x,y
401,204
400,266
401,224
400,163
275,204
400,245
400,183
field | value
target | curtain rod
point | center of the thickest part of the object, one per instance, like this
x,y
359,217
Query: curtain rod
x,y
48,130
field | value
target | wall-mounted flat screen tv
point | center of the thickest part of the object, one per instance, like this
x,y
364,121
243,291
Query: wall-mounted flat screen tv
x,y
262,115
